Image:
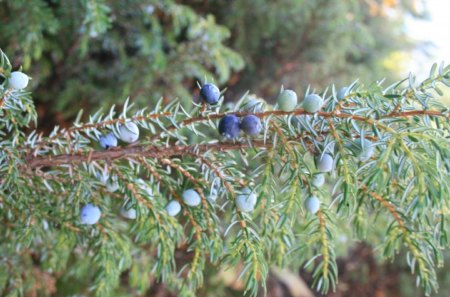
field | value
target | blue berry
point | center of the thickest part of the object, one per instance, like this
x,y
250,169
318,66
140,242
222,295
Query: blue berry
x,y
18,80
246,201
251,125
210,94
90,214
128,212
229,126
324,163
214,192
173,208
341,93
312,204
287,100
129,132
312,103
108,141
112,186
191,197
318,180
367,149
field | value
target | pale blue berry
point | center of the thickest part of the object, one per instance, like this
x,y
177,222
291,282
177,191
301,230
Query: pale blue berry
x,y
246,201
324,163
191,197
318,180
173,208
112,186
312,204
287,100
129,132
251,125
210,93
212,197
367,149
128,212
229,126
341,93
18,80
90,214
312,103
108,141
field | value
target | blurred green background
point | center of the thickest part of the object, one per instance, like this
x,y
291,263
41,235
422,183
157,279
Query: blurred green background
x,y
94,53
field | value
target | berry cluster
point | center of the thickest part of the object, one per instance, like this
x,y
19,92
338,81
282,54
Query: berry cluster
x,y
128,132
230,126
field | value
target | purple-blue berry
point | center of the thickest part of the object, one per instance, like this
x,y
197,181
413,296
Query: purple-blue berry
x,y
229,126
90,214
108,141
251,125
210,94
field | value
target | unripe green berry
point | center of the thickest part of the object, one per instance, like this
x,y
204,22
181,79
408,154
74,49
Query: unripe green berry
x,y
312,103
287,100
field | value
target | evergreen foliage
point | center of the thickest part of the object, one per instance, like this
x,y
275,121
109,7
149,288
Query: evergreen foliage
x,y
45,180
93,51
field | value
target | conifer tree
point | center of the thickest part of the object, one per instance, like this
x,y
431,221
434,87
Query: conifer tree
x,y
123,192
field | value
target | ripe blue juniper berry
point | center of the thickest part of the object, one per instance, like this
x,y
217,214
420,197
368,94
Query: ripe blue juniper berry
x,y
210,94
229,126
251,125
108,141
